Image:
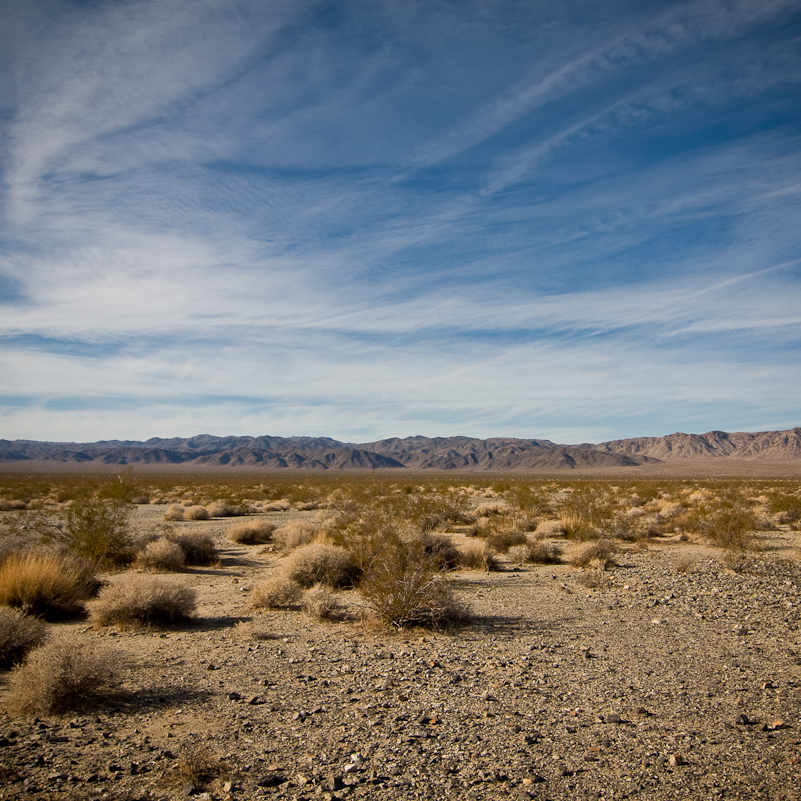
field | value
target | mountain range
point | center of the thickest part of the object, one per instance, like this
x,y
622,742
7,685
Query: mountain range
x,y
418,453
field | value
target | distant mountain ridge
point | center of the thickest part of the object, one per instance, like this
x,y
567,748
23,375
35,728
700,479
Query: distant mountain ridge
x,y
418,453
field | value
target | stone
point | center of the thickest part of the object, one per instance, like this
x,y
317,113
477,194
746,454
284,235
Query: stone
x,y
612,718
676,759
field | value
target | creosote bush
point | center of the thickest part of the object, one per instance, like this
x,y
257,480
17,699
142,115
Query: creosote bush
x,y
320,563
251,532
403,589
48,583
278,592
142,599
62,676
19,633
97,529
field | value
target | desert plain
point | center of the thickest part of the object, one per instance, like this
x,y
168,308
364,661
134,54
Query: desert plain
x,y
604,638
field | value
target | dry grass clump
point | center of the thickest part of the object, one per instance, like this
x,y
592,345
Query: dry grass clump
x,y
47,583
222,508
282,505
439,549
19,633
197,768
278,592
490,509
174,513
198,548
197,512
321,603
320,563
597,555
161,555
294,533
731,527
251,532
536,553
550,528
478,555
62,676
140,599
402,589
12,505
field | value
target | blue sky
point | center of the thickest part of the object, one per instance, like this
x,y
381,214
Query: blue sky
x,y
359,219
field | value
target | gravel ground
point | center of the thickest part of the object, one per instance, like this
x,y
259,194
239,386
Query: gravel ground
x,y
661,682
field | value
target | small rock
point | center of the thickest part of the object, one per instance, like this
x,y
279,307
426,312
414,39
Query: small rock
x,y
270,780
743,720
234,696
676,759
612,718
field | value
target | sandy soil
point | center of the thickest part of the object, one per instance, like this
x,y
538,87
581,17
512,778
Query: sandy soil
x,y
676,678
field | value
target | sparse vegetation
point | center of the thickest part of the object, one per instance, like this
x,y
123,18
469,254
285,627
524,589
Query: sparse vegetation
x,y
19,633
62,676
163,555
141,599
251,532
321,603
278,592
320,563
49,583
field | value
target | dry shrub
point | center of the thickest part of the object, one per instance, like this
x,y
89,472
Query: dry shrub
x,y
196,512
597,555
685,564
19,633
439,549
282,505
198,767
321,603
294,533
550,528
251,532
403,589
12,506
136,599
537,553
278,592
503,538
320,563
161,555
62,676
490,509
47,583
478,555
174,513
224,509
198,548
593,579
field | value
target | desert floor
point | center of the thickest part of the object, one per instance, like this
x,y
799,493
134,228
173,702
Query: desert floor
x,y
677,677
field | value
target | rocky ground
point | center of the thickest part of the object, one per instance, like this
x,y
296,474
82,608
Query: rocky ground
x,y
674,677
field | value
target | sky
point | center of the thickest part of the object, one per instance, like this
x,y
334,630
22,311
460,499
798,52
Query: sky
x,y
558,219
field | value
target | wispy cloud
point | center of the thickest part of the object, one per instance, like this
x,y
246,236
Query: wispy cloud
x,y
327,218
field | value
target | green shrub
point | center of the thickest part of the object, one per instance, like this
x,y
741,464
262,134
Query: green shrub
x,y
97,529
403,589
